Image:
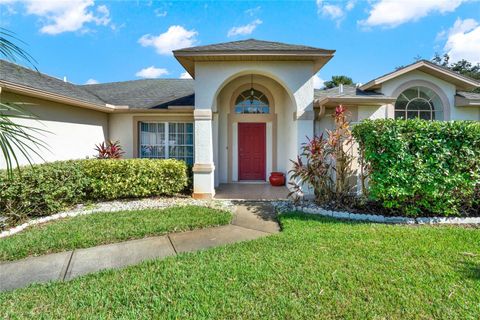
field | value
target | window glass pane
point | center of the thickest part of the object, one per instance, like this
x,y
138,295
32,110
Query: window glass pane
x,y
252,101
412,114
401,104
411,93
152,140
399,114
426,115
180,141
418,104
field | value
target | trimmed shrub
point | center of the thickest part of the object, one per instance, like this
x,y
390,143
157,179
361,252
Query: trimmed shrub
x,y
416,166
50,187
42,189
134,178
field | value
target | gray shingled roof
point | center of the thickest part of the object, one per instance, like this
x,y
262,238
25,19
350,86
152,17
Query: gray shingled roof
x,y
349,91
150,93
469,95
17,74
252,45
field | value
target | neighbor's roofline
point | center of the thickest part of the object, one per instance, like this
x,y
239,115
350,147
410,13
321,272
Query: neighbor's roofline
x,y
468,82
352,100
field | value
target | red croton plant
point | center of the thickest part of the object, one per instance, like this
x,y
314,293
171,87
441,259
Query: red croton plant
x,y
325,164
109,150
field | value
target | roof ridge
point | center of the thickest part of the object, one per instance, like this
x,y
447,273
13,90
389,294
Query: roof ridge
x,y
133,80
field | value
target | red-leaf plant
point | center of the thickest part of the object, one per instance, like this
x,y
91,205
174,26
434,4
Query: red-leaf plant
x,y
109,150
325,165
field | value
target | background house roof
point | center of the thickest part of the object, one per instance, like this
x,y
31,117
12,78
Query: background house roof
x,y
461,82
350,94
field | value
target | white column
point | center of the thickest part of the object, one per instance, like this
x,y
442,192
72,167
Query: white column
x,y
203,169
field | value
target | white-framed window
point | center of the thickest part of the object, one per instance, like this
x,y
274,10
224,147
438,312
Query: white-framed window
x,y
252,101
164,140
418,102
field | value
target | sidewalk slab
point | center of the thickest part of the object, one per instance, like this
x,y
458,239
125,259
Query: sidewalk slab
x,y
212,237
118,255
259,216
23,272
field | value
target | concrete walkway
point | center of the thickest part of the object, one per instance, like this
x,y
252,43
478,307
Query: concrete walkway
x,y
251,220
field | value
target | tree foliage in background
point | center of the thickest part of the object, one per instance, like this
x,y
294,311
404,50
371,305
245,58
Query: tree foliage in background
x,y
463,67
338,80
16,139
422,167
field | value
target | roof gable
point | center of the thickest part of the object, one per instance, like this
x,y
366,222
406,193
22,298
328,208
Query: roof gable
x,y
251,50
460,81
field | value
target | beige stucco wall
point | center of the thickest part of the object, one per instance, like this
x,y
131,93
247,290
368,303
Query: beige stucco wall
x,y
73,131
123,127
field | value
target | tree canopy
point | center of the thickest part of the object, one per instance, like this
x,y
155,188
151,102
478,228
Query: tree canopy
x,y
463,67
338,80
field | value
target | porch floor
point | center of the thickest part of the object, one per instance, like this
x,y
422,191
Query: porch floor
x,y
250,191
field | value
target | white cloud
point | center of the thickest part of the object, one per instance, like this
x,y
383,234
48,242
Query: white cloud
x,y
318,82
176,37
160,13
67,16
350,5
185,75
329,10
91,81
253,11
392,13
152,72
244,30
463,41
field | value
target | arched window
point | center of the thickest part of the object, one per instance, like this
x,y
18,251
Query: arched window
x,y
252,101
418,102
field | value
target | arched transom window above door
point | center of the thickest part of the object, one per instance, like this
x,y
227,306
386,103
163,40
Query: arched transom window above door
x,y
252,101
419,102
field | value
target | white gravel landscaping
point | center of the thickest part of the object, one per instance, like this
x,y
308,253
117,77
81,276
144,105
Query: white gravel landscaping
x,y
312,208
122,205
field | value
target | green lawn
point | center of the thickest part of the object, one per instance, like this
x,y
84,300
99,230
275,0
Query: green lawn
x,y
315,268
107,227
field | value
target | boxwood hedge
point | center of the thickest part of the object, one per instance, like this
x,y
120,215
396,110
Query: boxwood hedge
x,y
421,166
47,188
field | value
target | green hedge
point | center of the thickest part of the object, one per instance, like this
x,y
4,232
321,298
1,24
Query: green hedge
x,y
421,166
47,188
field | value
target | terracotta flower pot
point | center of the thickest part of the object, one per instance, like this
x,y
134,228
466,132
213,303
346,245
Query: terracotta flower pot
x,y
277,179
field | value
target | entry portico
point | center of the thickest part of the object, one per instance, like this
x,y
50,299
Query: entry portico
x,y
249,82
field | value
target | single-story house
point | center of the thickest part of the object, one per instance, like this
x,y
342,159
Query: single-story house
x,y
245,113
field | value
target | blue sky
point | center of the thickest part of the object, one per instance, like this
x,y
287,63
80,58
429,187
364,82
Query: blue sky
x,y
123,40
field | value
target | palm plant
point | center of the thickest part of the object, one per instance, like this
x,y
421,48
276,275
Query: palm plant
x,y
15,138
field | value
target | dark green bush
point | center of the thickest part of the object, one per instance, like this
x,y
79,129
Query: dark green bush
x,y
47,188
420,166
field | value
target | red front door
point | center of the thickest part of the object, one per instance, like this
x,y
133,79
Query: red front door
x,y
251,151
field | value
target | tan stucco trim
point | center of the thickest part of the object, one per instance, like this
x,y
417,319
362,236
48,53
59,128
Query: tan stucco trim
x,y
202,196
422,83
232,118
202,114
203,167
166,118
430,68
